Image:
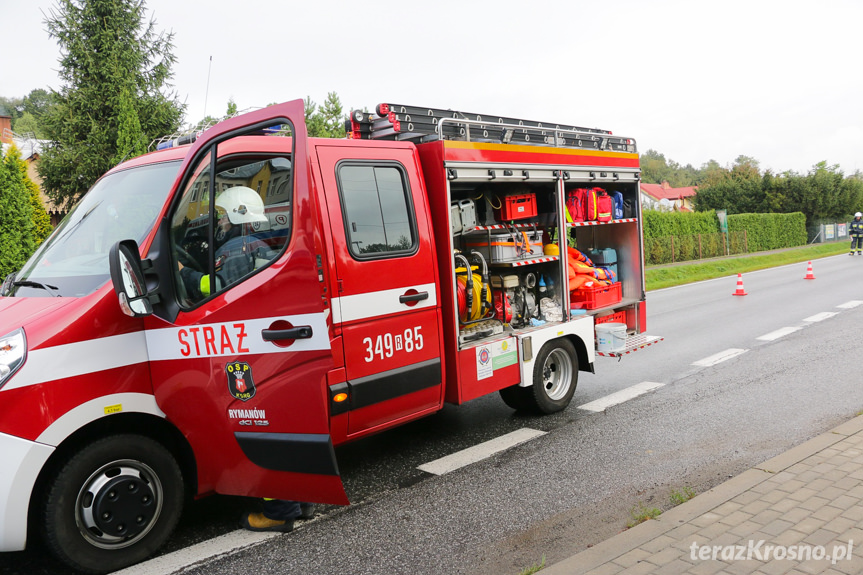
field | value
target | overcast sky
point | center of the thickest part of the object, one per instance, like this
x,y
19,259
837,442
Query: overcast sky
x,y
780,81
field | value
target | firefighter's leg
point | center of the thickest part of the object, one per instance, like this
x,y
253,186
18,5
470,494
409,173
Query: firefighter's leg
x,y
281,509
853,243
278,515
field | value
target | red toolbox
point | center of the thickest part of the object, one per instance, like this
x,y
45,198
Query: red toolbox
x,y
516,207
596,296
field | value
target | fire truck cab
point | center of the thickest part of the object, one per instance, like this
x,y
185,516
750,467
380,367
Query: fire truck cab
x,y
218,317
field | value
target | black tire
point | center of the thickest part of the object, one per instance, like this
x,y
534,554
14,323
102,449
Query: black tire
x,y
555,376
518,398
112,504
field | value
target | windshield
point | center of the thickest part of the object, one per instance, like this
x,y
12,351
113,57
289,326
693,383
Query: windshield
x,y
73,261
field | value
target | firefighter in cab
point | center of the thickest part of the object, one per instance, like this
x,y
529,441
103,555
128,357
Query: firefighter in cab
x,y
238,252
856,233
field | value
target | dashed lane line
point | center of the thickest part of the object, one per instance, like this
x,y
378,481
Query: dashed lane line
x,y
480,451
821,316
618,397
850,304
719,357
778,333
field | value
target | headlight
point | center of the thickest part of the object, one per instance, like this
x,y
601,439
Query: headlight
x,y
13,350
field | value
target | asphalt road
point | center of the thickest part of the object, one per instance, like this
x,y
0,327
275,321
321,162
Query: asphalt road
x,y
575,485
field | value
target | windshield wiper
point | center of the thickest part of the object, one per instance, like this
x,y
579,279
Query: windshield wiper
x,y
32,284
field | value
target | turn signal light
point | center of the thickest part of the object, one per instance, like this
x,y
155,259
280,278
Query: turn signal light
x,y
340,397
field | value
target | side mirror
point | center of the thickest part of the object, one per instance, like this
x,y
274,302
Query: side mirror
x,y
127,275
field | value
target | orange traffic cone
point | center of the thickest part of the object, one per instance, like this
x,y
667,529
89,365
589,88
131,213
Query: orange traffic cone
x,y
809,275
740,290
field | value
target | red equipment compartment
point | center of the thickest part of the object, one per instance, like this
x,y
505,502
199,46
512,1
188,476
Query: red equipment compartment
x,y
596,296
517,207
470,386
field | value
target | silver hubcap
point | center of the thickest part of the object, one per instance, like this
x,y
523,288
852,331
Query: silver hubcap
x,y
118,504
557,374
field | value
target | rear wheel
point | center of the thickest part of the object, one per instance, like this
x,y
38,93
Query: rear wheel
x,y
113,503
555,376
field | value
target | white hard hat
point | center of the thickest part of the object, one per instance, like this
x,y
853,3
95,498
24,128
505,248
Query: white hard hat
x,y
243,205
858,215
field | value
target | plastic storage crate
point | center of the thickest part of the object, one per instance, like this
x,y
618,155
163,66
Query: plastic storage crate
x,y
517,207
596,296
616,317
508,247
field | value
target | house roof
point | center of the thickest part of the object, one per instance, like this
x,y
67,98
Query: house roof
x,y
29,147
664,191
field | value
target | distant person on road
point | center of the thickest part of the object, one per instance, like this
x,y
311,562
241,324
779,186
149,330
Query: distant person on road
x,y
856,233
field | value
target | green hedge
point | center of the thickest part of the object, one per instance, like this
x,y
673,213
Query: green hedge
x,y
663,224
770,231
695,232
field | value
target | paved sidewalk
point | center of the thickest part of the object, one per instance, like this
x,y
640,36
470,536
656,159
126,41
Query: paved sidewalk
x,y
798,513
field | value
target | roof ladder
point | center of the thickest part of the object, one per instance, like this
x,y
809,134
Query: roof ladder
x,y
418,124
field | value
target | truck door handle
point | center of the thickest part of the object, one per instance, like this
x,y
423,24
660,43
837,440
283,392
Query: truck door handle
x,y
414,297
299,332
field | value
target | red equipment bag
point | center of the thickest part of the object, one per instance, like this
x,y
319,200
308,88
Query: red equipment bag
x,y
604,207
591,210
575,204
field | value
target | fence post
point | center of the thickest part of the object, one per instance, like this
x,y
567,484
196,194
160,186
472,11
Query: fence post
x,y
672,249
699,246
745,242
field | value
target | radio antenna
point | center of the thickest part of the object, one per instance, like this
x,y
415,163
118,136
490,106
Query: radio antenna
x,y
207,90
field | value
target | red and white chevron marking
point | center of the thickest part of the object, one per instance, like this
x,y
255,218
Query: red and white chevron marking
x,y
633,343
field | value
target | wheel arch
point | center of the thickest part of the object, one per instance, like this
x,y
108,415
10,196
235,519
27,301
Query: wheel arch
x,y
144,424
584,363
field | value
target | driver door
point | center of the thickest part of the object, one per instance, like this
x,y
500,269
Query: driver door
x,y
240,368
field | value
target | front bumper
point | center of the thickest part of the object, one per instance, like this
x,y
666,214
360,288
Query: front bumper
x,y
22,462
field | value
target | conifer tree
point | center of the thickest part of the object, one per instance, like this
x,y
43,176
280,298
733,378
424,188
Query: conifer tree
x,y
16,214
115,69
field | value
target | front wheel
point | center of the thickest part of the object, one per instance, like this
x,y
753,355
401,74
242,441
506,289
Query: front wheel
x,y
555,376
112,504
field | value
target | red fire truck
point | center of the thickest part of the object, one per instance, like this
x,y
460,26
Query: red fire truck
x,y
217,316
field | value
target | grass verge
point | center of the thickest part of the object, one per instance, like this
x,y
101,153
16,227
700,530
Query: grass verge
x,y
640,514
658,277
534,568
681,496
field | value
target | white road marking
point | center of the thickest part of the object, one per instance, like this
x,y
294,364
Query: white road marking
x,y
222,546
719,357
617,397
821,316
778,333
479,452
850,304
